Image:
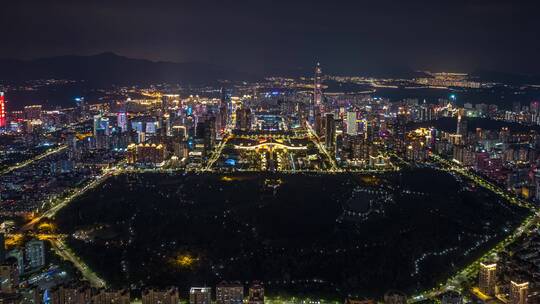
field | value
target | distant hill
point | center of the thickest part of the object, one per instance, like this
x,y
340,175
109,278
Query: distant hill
x,y
377,70
507,78
109,68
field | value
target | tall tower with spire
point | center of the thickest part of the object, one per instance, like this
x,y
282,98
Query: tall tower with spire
x,y
317,91
223,116
3,118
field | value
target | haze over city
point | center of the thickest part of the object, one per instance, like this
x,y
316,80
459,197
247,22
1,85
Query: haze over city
x,y
274,36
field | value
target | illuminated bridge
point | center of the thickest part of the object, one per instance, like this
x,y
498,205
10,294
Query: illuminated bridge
x,y
271,145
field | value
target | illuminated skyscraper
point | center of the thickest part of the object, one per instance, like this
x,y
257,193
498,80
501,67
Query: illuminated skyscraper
x,y
400,130
519,292
318,122
169,100
317,91
205,133
81,106
105,125
101,124
35,254
330,132
97,124
461,128
352,125
243,119
122,121
2,111
223,116
487,278
151,127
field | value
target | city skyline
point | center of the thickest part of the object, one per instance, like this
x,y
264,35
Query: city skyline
x,y
200,175
305,152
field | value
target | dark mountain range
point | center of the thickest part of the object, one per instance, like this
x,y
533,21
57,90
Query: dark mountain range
x,y
109,68
377,70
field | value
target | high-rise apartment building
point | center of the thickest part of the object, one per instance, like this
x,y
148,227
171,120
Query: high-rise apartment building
x,y
153,296
229,293
519,291
256,293
200,295
9,277
487,278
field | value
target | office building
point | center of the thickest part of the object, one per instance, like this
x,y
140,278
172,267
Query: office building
x,y
330,132
352,124
243,119
122,121
151,127
97,124
35,254
318,122
206,133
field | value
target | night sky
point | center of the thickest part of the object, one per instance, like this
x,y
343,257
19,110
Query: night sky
x,y
345,36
